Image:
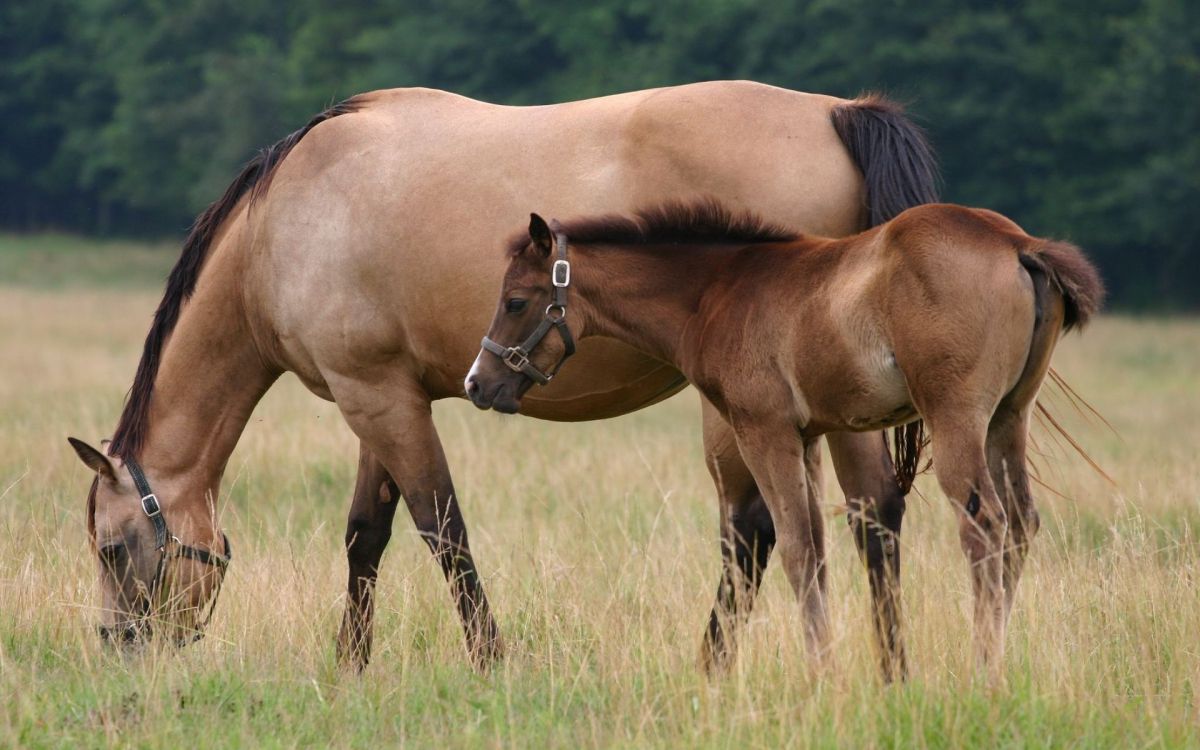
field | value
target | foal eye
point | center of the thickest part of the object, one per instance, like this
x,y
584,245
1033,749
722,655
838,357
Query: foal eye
x,y
515,305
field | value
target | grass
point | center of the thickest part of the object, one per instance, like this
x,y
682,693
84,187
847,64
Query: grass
x,y
598,550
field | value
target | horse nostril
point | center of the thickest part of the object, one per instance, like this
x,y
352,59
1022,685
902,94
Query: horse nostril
x,y
472,387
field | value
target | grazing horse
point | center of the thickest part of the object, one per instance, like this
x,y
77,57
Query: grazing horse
x,y
945,313
353,253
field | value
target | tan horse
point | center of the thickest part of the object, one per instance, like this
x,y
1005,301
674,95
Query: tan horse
x,y
947,313
354,253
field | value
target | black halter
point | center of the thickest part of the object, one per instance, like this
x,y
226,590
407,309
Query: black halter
x,y
169,547
517,357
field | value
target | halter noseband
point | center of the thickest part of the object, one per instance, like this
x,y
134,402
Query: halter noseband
x,y
517,357
163,538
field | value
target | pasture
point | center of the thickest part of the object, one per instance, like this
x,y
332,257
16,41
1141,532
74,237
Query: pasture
x,y
597,543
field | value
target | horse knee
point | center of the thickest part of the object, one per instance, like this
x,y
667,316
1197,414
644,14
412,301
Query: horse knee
x,y
875,524
754,532
366,539
753,519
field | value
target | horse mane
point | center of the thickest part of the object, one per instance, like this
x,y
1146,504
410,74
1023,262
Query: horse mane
x,y
704,220
254,179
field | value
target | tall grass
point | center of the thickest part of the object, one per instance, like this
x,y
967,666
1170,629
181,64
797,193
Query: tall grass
x,y
597,543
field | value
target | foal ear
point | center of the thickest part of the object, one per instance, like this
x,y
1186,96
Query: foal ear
x,y
539,233
93,459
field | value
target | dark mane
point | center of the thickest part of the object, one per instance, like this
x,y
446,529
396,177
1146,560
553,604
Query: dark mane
x,y
705,220
254,179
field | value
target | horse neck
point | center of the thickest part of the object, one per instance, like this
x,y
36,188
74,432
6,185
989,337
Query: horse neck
x,y
645,295
209,379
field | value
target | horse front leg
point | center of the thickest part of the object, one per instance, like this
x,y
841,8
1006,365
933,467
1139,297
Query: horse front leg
x,y
776,456
368,529
875,502
395,423
747,538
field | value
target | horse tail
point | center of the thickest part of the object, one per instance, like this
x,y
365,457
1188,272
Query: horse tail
x,y
1058,269
899,171
1070,272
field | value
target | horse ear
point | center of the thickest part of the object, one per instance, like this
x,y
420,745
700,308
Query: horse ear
x,y
539,234
93,459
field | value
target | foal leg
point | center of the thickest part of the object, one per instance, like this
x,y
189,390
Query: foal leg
x,y
747,538
961,466
865,472
368,530
395,423
1006,458
776,457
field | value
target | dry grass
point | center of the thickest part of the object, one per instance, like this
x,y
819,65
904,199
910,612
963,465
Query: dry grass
x,y
601,565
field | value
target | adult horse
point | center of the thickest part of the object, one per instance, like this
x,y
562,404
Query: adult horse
x,y
358,254
944,313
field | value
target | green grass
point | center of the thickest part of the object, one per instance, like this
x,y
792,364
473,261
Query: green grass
x,y
600,564
60,261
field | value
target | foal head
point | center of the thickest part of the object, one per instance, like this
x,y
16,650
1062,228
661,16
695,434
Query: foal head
x,y
529,339
150,580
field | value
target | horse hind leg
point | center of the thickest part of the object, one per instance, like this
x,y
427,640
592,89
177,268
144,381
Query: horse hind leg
x,y
1006,461
368,530
1008,436
747,538
960,462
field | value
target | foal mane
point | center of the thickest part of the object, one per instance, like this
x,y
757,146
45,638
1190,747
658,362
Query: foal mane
x,y
254,179
704,220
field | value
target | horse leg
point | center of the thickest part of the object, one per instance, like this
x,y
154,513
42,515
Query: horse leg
x,y
960,462
1006,460
395,423
368,529
747,537
776,457
865,472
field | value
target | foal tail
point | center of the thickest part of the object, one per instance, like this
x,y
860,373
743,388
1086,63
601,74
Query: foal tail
x,y
1071,273
900,171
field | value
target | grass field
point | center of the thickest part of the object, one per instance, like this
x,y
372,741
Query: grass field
x,y
601,565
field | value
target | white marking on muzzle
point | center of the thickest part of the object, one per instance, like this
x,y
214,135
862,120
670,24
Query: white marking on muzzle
x,y
474,369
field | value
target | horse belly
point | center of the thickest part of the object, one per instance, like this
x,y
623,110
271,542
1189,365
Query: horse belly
x,y
866,393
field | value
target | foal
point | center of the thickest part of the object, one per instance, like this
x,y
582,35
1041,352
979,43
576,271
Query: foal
x,y
947,314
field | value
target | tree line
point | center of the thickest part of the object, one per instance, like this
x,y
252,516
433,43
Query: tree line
x,y
1078,118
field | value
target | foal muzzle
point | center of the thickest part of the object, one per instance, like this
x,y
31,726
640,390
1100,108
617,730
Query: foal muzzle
x,y
517,358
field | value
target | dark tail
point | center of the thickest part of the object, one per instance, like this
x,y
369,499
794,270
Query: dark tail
x,y
1072,274
1061,267
900,172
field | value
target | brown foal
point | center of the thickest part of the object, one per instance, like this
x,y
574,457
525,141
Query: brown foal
x,y
946,314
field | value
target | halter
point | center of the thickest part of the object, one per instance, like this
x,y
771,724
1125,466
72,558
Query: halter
x,y
163,538
517,357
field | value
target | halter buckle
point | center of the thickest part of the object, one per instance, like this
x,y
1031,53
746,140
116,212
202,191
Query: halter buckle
x,y
560,274
516,358
150,506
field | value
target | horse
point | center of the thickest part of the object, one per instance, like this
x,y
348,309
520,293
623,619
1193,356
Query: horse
x,y
944,313
351,253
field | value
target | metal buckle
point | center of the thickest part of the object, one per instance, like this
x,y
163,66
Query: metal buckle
x,y
150,506
516,358
560,273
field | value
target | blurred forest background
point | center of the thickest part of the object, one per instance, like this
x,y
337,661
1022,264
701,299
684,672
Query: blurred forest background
x,y
1078,118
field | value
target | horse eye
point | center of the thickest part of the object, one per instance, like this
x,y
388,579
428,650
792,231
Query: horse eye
x,y
516,305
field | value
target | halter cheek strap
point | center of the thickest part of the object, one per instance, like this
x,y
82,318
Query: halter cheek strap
x,y
517,357
163,538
